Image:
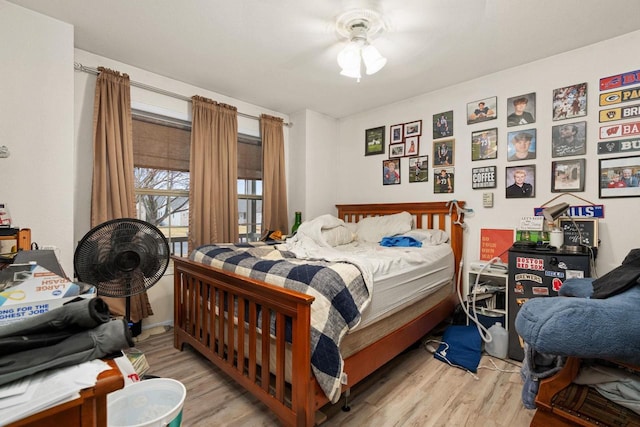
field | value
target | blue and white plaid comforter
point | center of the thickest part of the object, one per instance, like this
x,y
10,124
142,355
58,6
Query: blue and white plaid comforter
x,y
338,287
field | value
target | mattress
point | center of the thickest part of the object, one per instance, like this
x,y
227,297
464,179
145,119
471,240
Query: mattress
x,y
394,289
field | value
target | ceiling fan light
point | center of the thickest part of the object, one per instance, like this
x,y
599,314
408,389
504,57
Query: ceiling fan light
x,y
349,57
353,72
373,60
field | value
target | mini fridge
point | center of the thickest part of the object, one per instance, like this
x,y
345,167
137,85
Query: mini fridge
x,y
538,273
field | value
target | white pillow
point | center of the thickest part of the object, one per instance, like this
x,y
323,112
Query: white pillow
x,y
337,236
374,228
429,237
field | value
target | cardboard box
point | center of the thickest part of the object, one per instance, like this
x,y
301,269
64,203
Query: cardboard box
x,y
29,289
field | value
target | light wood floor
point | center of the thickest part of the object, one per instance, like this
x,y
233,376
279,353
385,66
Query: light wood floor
x,y
412,390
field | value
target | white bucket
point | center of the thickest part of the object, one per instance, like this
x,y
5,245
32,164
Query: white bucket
x,y
149,403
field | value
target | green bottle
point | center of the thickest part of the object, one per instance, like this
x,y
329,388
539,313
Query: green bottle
x,y
296,223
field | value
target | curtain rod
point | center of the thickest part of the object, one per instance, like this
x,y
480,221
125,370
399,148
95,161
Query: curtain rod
x,y
79,67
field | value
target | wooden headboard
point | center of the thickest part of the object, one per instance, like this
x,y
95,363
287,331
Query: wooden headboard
x,y
437,215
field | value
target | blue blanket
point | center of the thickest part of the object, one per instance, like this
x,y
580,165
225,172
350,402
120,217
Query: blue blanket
x,y
339,289
584,327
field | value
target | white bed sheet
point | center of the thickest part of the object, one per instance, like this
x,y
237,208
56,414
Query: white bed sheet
x,y
402,275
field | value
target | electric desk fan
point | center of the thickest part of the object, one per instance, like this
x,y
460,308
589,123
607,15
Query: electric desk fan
x,y
121,258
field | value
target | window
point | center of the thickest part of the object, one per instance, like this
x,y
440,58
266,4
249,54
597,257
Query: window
x,y
249,188
161,172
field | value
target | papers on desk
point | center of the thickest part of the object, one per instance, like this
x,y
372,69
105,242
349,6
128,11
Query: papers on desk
x,y
32,394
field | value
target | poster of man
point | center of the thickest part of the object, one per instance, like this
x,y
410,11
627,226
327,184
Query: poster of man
x,y
419,169
569,139
443,125
443,152
443,180
521,110
520,181
522,145
484,144
482,110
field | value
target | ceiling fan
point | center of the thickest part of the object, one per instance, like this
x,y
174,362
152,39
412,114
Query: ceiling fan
x,y
360,26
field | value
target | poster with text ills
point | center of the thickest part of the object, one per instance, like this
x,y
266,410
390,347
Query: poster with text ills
x,y
495,242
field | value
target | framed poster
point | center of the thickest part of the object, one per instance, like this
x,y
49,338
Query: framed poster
x,y
520,181
419,169
413,128
484,177
396,150
444,180
521,110
482,110
374,141
484,144
569,139
521,145
579,232
620,177
570,102
411,146
396,133
443,152
391,172
443,125
567,175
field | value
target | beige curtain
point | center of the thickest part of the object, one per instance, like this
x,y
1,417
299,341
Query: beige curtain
x,y
274,186
112,194
213,193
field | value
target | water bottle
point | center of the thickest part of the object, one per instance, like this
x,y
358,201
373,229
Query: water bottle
x,y
296,223
499,342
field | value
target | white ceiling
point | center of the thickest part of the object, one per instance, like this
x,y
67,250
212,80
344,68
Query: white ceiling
x,y
281,54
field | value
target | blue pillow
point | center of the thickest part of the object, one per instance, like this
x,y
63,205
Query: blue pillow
x,y
461,347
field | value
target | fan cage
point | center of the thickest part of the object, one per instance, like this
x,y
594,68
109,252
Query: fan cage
x,y
122,257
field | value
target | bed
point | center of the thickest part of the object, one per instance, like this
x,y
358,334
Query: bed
x,y
209,302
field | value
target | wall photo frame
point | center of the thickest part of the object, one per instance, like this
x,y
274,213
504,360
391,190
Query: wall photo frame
x,y
520,181
411,146
568,175
521,145
484,177
413,128
444,152
484,144
521,110
396,150
419,169
396,133
444,180
391,172
570,102
569,139
619,177
374,140
443,125
482,110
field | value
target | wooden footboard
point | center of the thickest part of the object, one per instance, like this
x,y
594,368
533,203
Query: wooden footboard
x,y
204,295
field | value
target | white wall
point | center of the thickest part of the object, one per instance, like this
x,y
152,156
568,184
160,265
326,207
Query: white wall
x,y
36,124
582,65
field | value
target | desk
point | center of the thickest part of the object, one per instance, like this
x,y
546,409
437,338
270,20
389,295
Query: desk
x,y
90,409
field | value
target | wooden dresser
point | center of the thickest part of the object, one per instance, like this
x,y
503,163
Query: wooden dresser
x,y
89,410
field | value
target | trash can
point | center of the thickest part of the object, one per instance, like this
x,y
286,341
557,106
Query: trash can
x,y
149,403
